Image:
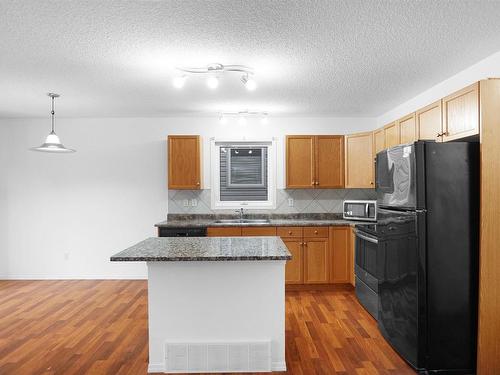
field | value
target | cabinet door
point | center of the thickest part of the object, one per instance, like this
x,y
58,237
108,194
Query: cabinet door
x,y
294,273
359,160
223,231
378,140
407,129
300,161
329,161
316,261
341,255
391,133
461,113
258,231
184,162
430,122
352,253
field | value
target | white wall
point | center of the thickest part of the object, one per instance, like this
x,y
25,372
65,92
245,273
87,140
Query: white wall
x,y
487,68
107,196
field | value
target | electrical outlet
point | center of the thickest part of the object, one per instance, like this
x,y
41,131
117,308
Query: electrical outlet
x,y
290,202
185,203
194,202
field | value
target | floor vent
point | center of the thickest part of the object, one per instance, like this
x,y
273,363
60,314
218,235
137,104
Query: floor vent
x,y
218,357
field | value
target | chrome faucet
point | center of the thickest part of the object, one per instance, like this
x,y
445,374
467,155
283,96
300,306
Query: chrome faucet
x,y
240,211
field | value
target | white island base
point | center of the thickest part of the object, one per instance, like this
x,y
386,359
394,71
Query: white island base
x,y
216,316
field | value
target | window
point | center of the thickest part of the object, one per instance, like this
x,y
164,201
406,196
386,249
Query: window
x,y
243,174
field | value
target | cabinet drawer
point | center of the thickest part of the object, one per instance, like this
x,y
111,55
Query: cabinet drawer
x,y
316,232
290,231
258,231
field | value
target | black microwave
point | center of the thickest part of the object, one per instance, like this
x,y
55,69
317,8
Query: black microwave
x,y
360,210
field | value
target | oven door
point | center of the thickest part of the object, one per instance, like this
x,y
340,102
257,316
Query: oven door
x,y
365,269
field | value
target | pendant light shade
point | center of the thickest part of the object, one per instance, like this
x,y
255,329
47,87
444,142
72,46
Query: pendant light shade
x,y
52,142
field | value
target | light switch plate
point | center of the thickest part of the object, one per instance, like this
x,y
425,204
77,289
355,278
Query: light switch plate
x,y
290,202
185,203
194,202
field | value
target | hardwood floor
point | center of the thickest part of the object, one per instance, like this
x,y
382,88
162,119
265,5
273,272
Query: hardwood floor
x,y
100,327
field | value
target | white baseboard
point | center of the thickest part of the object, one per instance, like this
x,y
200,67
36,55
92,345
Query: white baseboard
x,y
278,366
160,367
156,367
73,277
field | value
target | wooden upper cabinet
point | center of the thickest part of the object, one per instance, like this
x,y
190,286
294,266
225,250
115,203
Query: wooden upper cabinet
x,y
329,161
407,129
300,161
378,140
461,113
314,161
316,260
184,170
391,133
430,122
359,164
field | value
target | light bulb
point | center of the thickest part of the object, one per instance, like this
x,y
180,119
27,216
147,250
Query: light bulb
x,y
212,82
242,120
52,138
250,84
264,120
179,82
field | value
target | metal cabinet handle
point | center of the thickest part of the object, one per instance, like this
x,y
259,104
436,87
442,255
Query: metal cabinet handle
x,y
198,184
315,232
289,232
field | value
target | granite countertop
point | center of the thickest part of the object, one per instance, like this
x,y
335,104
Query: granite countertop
x,y
304,220
174,249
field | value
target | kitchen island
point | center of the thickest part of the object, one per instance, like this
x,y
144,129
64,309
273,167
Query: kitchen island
x,y
215,304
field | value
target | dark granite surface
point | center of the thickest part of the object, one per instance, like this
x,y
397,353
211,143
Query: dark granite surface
x,y
174,249
201,221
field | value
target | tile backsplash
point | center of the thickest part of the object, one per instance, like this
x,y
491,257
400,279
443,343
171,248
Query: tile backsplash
x,y
305,201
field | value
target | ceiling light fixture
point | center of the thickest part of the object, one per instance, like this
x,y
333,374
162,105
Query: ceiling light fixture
x,y
179,81
222,119
214,71
243,115
212,82
52,142
249,83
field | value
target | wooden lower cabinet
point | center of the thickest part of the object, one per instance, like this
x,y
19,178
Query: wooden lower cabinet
x,y
223,231
320,255
316,260
258,231
294,270
340,238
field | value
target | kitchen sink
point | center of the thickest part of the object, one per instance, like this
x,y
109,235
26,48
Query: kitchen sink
x,y
242,221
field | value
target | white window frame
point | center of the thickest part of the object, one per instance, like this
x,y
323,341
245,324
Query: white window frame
x,y
216,203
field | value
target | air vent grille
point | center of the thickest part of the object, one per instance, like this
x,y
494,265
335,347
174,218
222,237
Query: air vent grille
x,y
218,357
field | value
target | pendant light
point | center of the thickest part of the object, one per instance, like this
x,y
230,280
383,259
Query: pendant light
x,y
52,142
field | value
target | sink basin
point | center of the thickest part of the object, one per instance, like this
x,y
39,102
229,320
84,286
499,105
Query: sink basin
x,y
242,221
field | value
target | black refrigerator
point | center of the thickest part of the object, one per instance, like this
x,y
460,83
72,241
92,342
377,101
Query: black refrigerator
x,y
427,258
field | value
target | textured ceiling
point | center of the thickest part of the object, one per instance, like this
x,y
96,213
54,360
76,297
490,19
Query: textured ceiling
x,y
311,58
